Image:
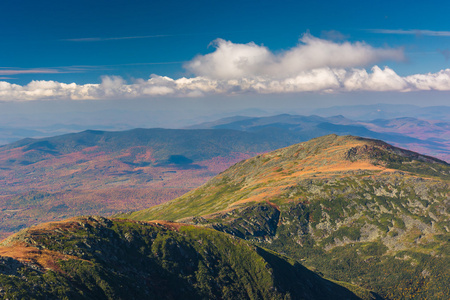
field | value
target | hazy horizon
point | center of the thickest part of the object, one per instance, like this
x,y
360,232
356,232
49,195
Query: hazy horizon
x,y
116,65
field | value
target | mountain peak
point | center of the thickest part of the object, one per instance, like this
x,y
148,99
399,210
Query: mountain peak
x,y
351,207
354,148
267,176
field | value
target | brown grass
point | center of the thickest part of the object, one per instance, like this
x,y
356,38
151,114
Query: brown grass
x,y
44,258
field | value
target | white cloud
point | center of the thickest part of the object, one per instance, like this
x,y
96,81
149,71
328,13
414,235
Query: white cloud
x,y
417,32
231,60
315,80
9,71
432,81
378,80
315,65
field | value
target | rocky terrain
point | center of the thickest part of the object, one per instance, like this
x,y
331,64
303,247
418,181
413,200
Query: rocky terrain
x,y
99,258
352,209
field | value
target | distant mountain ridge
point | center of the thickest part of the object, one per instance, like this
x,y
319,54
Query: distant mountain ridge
x,y
196,144
386,111
93,171
100,172
431,137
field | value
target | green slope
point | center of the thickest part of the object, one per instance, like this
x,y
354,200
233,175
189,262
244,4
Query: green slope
x,y
355,210
286,167
98,258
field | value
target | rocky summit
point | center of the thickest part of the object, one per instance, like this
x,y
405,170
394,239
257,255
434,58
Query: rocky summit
x,y
352,209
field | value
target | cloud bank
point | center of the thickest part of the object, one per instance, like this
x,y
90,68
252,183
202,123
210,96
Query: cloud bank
x,y
314,65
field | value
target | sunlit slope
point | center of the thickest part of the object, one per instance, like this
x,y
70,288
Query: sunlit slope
x,y
98,258
281,174
354,209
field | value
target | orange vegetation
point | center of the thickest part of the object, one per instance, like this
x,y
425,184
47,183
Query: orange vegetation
x,y
91,182
45,258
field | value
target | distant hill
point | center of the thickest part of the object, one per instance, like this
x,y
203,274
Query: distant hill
x,y
195,144
426,136
98,258
101,172
354,209
104,172
387,111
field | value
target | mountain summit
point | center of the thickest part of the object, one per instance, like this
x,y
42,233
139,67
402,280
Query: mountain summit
x,y
353,209
268,176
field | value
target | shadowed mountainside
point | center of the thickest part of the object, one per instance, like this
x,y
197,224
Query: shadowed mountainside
x,y
99,258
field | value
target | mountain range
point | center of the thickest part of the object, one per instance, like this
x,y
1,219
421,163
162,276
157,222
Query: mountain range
x,y
386,111
104,172
426,136
336,217
98,172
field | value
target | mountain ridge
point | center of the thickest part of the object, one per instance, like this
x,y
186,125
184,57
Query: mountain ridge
x,y
379,213
99,258
426,136
358,156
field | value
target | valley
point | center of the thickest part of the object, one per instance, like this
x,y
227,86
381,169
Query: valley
x,y
101,172
91,173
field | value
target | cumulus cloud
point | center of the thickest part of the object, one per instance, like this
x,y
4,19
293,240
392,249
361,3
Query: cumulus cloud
x,y
432,81
377,80
230,60
315,80
315,65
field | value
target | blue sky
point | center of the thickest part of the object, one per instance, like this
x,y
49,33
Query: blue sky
x,y
81,42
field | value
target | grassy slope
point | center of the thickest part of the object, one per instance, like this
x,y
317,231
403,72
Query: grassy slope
x,y
98,258
380,214
264,177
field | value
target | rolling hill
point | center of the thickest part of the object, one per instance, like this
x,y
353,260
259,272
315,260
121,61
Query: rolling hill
x,y
352,209
98,172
